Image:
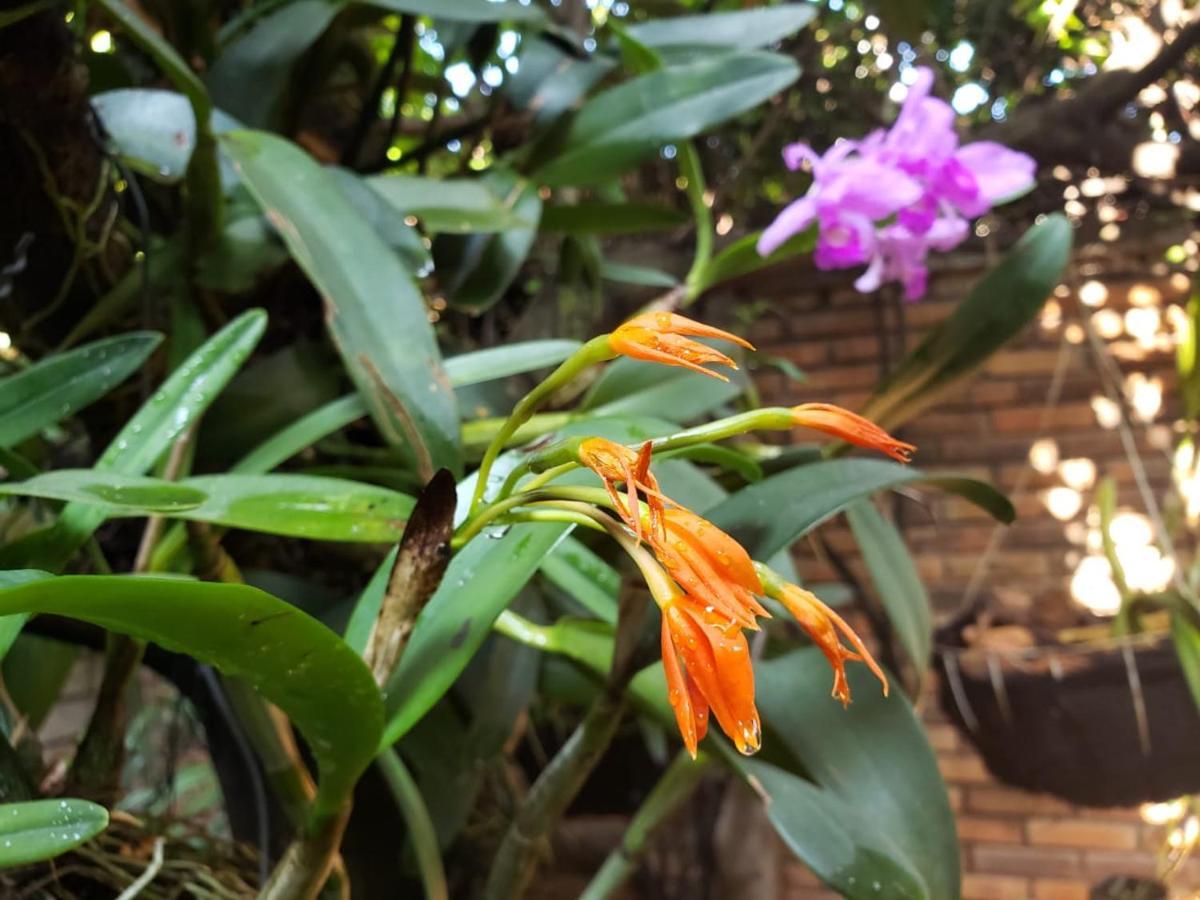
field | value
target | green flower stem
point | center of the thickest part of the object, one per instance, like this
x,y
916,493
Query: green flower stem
x,y
693,173
550,514
477,434
594,351
583,495
420,825
563,455
510,483
676,785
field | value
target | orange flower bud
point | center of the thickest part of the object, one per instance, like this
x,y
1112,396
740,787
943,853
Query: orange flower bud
x,y
615,463
716,660
852,428
664,337
823,625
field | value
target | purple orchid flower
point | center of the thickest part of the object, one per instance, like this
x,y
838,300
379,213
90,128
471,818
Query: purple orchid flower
x,y
897,194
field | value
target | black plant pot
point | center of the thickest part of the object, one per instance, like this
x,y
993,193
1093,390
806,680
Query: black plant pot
x,y
1099,725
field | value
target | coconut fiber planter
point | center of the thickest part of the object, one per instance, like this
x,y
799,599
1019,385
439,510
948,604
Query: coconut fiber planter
x,y
1097,725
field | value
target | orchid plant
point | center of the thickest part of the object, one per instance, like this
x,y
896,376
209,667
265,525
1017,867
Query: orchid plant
x,y
523,539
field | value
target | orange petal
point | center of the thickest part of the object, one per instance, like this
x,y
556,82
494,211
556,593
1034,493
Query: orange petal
x,y
822,625
679,694
731,558
672,323
852,428
667,349
719,663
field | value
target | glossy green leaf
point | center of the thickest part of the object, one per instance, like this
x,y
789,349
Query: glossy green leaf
x,y
1186,636
897,584
174,407
61,385
742,257
302,433
719,455
510,359
630,387
290,658
387,221
575,569
455,205
265,56
623,125
771,514
611,218
130,495
878,822
303,506
747,28
10,626
1000,306
154,131
464,10
639,275
550,80
374,309
43,829
474,270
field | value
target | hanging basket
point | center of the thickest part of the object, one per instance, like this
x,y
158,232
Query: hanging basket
x,y
1097,725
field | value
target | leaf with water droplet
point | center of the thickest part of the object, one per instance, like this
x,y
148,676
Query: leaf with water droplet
x,y
32,831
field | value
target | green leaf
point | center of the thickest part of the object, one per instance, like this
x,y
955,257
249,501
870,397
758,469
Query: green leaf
x,y
303,506
771,514
746,28
878,823
374,309
897,583
550,81
265,56
174,407
611,218
742,257
154,131
387,221
61,385
630,387
464,10
593,583
10,626
622,126
129,495
455,205
1004,301
43,829
639,275
290,658
1187,648
475,270
510,359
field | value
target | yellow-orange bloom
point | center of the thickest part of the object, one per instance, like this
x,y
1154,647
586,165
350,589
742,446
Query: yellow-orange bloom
x,y
664,337
715,674
710,566
823,625
615,463
852,428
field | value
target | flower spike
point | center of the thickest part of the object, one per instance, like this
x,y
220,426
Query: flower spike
x,y
852,428
665,337
823,625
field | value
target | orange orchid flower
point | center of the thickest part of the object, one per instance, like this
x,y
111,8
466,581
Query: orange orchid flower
x,y
664,337
823,625
710,566
852,428
615,463
715,674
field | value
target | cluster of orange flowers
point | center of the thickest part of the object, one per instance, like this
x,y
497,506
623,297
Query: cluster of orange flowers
x,y
716,583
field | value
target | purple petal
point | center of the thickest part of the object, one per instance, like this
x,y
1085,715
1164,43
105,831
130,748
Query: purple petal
x,y
870,280
947,232
999,171
793,219
795,155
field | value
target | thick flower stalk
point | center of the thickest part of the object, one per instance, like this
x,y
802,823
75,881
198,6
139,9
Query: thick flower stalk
x,y
889,199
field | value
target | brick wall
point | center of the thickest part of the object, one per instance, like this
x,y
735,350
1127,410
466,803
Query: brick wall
x,y
1014,844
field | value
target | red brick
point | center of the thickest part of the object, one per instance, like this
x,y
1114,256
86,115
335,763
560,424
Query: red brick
x,y
1103,863
1082,833
994,887
963,769
1009,800
1060,889
1000,831
1015,859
